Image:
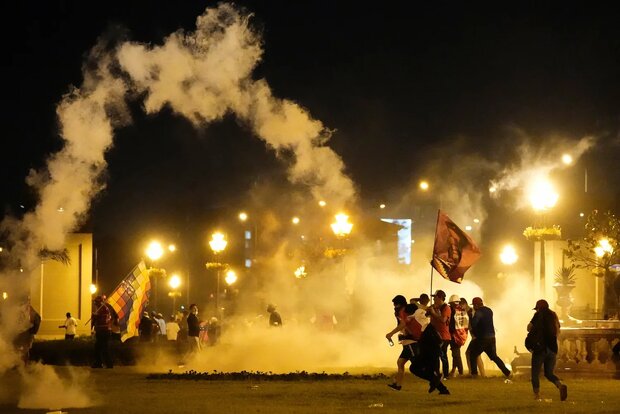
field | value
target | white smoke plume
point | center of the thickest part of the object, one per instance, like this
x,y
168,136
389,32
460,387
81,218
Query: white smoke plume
x,y
43,388
206,74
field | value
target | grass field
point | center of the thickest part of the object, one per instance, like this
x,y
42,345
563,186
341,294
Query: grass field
x,y
124,390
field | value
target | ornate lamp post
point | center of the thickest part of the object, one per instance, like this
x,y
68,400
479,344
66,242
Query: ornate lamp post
x,y
542,198
154,252
174,282
218,243
342,228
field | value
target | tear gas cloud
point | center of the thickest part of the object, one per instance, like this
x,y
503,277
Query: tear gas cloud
x,y
42,387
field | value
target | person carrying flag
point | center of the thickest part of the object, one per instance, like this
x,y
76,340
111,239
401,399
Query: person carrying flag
x,y
102,326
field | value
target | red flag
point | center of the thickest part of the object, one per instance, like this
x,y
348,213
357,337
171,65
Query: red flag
x,y
454,251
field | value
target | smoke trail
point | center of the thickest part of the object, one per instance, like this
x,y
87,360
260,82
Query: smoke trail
x,y
536,162
204,75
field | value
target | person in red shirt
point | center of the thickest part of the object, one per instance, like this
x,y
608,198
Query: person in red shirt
x,y
102,325
440,314
399,302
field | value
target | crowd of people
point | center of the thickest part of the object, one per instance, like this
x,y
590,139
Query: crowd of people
x,y
426,331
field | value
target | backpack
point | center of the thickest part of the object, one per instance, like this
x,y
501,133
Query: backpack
x,y
534,341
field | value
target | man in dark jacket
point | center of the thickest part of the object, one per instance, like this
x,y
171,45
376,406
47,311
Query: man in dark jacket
x,y
544,329
193,328
483,338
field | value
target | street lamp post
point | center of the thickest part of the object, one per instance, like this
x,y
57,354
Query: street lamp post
x,y
218,243
174,282
342,228
154,252
542,198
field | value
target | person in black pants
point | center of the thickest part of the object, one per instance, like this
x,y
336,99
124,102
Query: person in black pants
x,y
543,332
483,338
426,364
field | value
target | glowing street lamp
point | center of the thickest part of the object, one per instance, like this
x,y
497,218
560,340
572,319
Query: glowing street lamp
x,y
542,195
424,186
93,288
322,203
508,256
172,248
542,198
381,206
231,277
603,248
567,159
342,227
300,272
175,281
218,242
295,220
243,216
154,250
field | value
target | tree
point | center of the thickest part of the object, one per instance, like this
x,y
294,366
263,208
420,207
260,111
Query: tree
x,y
598,251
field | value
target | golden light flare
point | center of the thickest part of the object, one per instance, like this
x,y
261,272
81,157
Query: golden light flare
x,y
243,216
603,248
300,272
175,281
342,226
218,242
542,195
231,277
567,159
154,251
424,186
508,256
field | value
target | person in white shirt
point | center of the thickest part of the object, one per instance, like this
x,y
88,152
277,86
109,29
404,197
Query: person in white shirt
x,y
420,314
70,327
172,329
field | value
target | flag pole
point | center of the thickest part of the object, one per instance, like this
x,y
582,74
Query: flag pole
x,y
433,255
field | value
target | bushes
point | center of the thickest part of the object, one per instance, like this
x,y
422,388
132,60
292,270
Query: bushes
x,y
80,351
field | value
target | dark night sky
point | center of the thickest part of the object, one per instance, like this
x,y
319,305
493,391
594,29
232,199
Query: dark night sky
x,y
395,80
